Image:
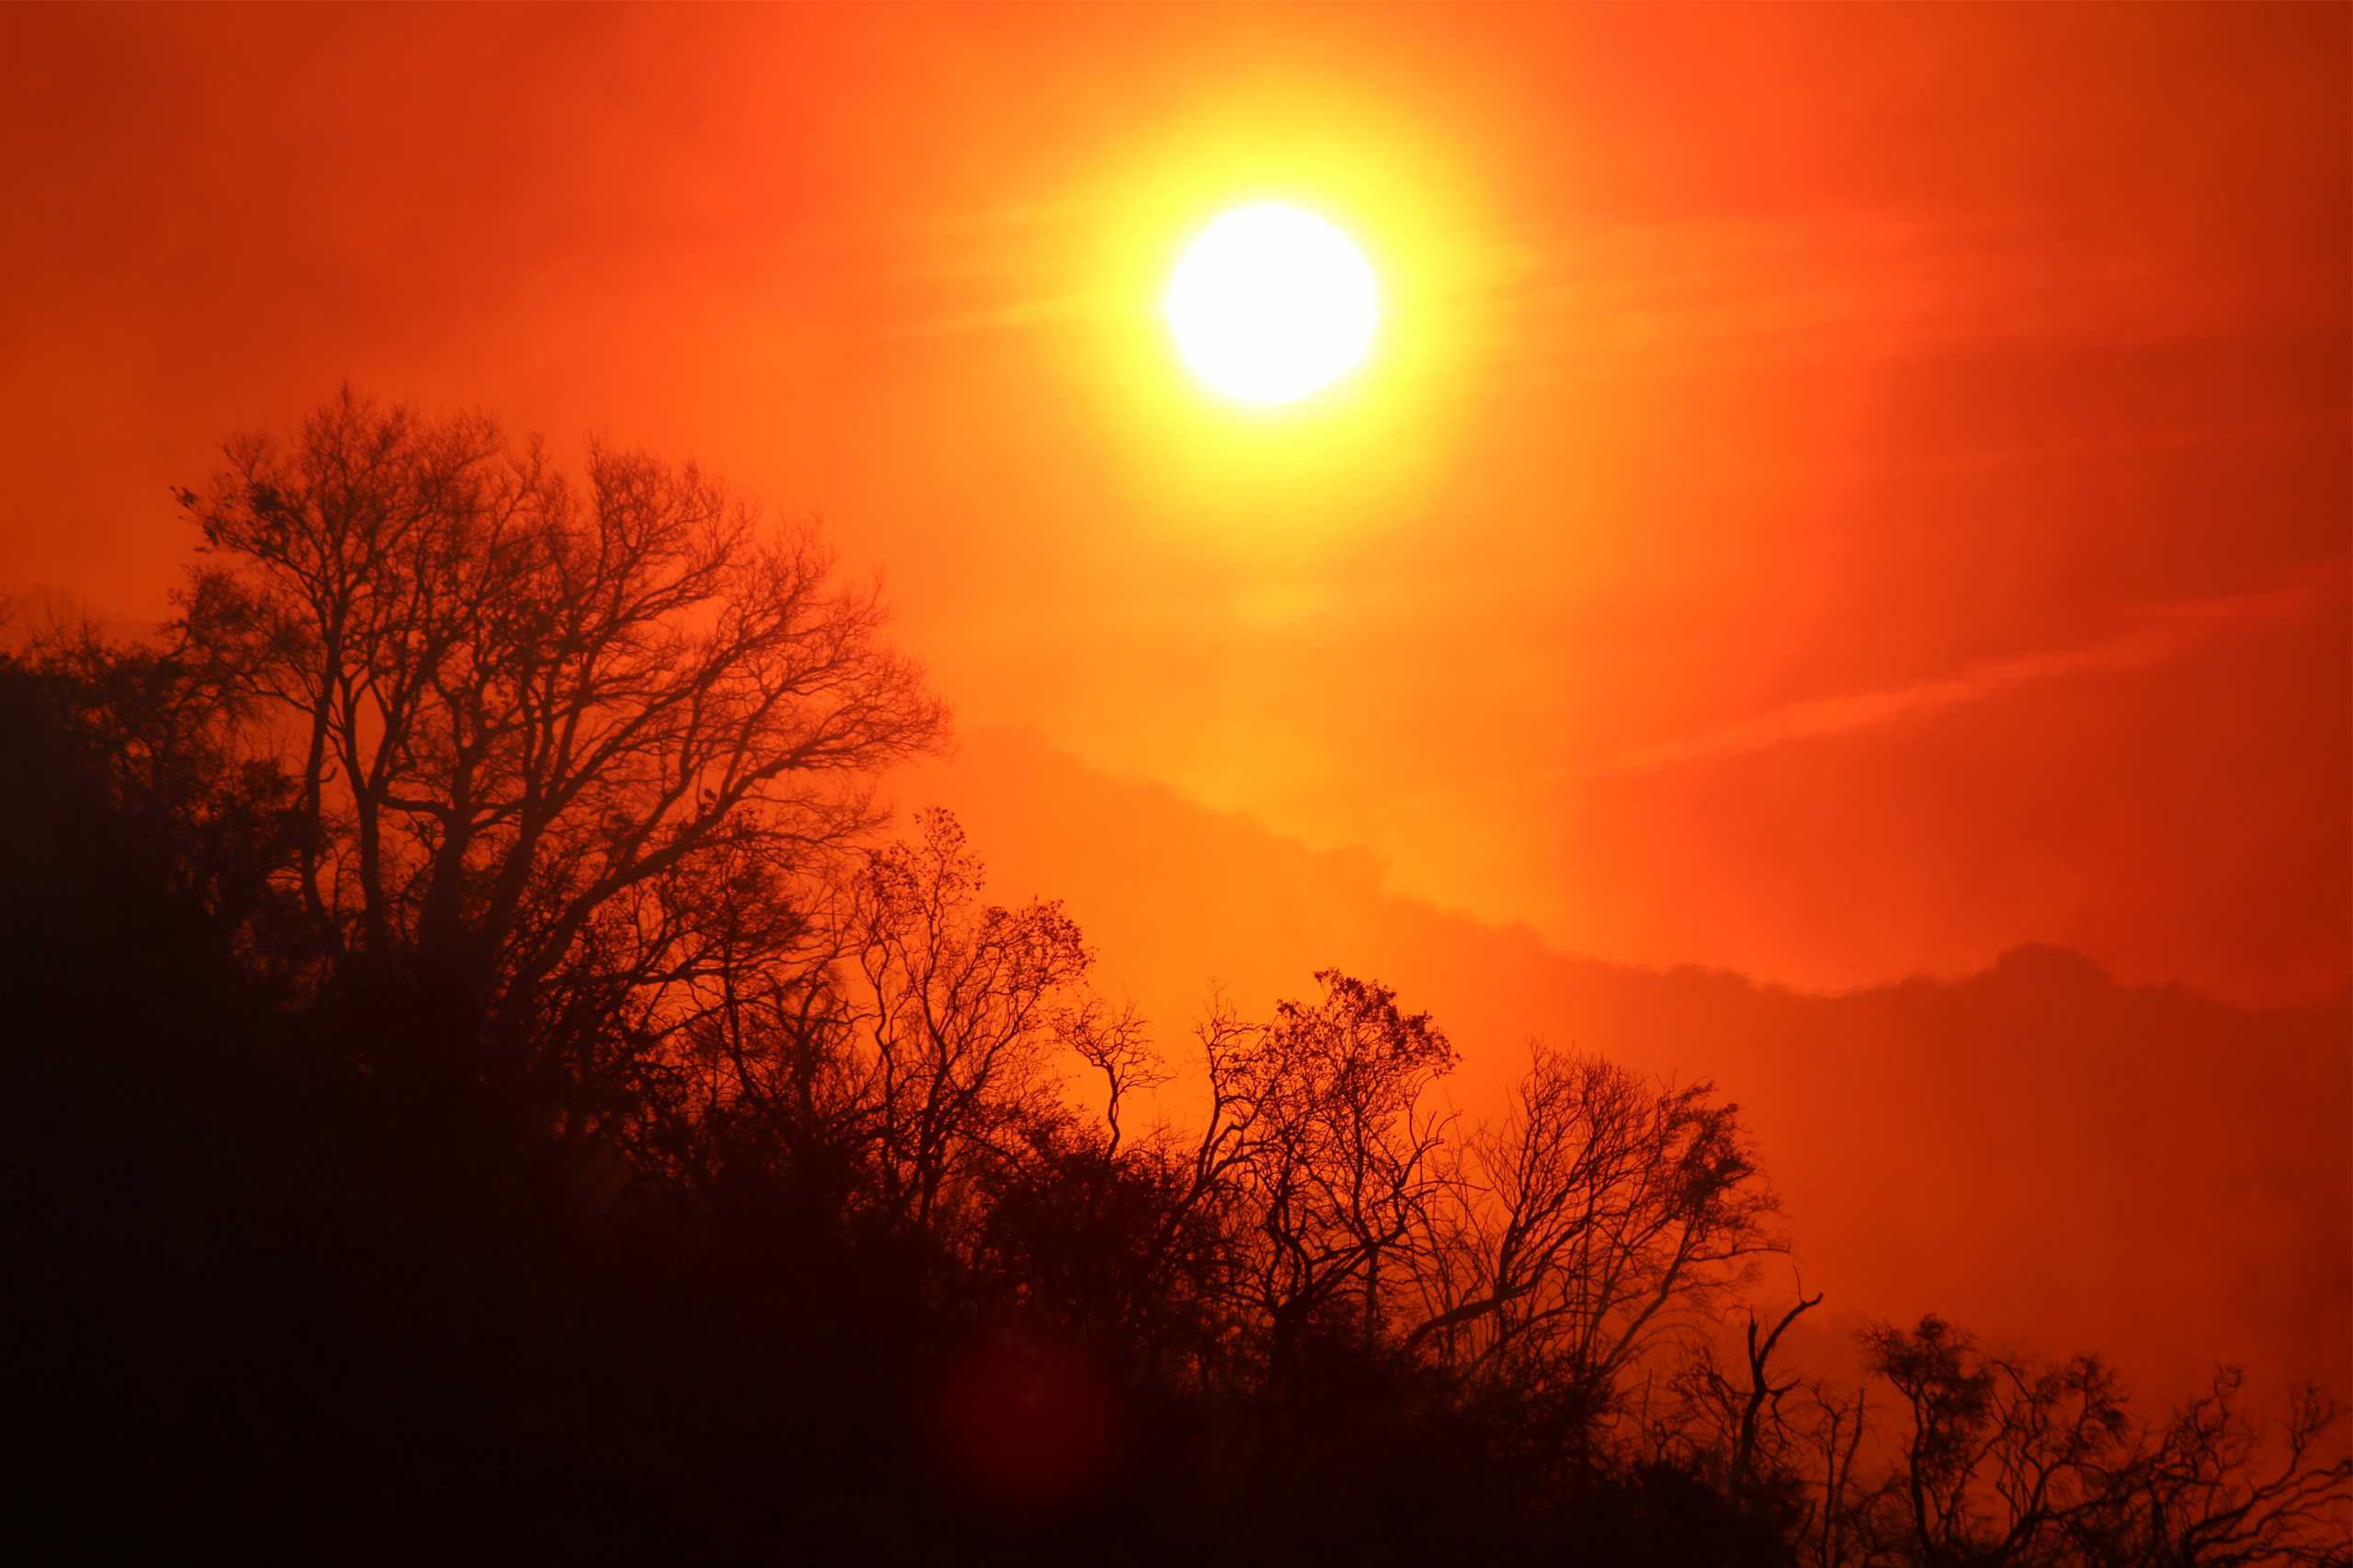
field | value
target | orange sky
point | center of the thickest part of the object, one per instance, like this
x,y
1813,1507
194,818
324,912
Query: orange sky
x,y
1844,491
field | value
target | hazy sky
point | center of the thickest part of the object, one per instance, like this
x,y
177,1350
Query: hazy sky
x,y
1840,491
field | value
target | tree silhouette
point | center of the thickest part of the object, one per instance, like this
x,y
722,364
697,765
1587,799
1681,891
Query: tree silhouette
x,y
528,717
2001,1460
1599,1210
1339,1153
476,1066
962,1007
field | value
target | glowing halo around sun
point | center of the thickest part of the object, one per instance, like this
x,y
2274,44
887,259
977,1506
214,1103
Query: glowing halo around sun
x,y
1271,303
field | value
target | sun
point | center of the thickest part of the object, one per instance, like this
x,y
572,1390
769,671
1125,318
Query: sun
x,y
1271,303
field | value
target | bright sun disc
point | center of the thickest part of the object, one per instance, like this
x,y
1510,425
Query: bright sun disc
x,y
1271,303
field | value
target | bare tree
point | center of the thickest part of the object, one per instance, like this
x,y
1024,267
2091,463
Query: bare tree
x,y
1333,1143
963,1005
1116,1046
2214,1487
1740,1417
1828,1432
2003,1461
527,717
1601,1209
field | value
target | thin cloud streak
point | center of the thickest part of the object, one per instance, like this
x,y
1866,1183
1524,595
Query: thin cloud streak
x,y
2172,631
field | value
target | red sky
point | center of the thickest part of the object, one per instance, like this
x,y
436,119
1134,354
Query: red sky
x,y
1843,491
